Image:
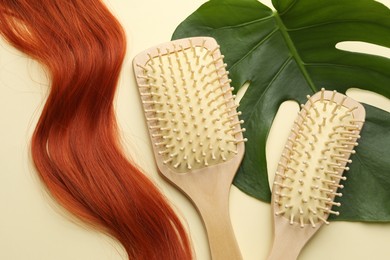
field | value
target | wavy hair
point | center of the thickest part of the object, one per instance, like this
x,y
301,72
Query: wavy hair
x,y
75,146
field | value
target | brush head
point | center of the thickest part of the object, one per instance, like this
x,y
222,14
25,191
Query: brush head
x,y
315,156
188,104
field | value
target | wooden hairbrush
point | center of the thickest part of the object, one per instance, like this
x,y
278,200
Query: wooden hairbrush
x,y
194,128
310,169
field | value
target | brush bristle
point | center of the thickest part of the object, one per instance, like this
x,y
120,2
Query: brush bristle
x,y
320,144
189,105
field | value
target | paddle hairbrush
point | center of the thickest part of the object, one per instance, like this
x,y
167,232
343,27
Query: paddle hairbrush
x,y
310,169
194,128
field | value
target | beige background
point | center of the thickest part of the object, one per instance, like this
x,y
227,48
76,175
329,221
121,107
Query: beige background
x,y
33,228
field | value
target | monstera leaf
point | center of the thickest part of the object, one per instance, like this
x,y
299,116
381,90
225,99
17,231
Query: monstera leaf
x,y
289,53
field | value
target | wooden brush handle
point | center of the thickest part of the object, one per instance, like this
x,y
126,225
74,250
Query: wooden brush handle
x,y
209,190
285,247
289,239
222,241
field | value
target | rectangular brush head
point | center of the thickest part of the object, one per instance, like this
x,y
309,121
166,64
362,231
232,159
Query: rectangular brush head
x,y
188,104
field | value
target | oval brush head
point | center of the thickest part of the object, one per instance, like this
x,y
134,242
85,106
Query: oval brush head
x,y
188,104
310,169
315,156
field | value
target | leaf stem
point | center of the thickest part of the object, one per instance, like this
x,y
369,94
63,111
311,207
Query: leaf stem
x,y
294,51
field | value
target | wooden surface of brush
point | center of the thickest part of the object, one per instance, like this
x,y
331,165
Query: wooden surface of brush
x,y
194,128
310,169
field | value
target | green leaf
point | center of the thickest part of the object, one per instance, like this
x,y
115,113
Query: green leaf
x,y
289,53
367,186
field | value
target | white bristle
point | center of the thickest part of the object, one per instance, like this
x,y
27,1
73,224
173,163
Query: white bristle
x,y
312,222
316,154
335,108
188,84
322,95
311,119
333,95
324,107
303,134
338,204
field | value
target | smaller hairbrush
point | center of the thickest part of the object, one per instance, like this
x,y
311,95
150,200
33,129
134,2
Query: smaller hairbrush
x,y
195,129
310,169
